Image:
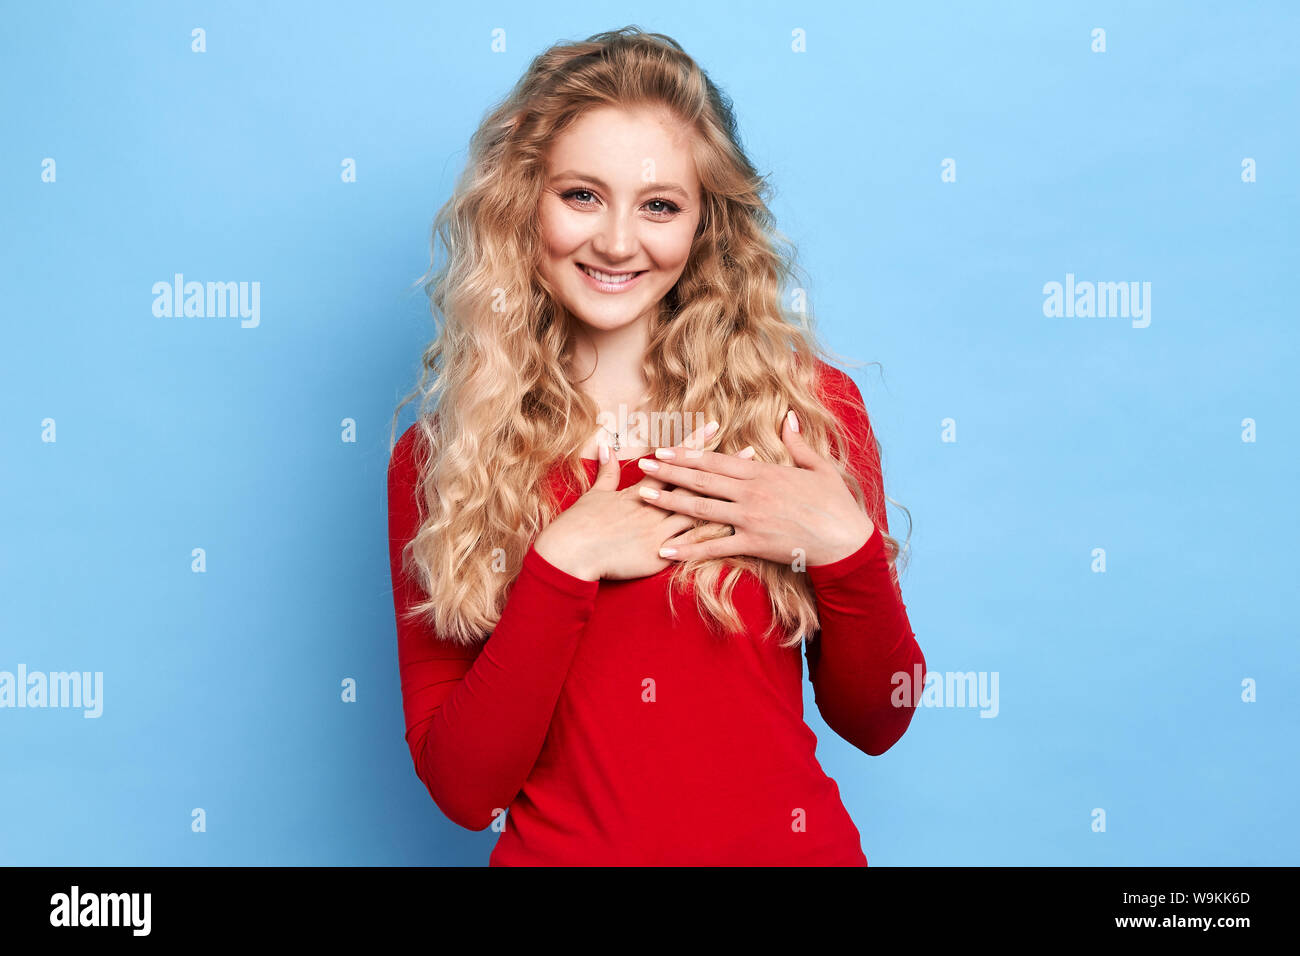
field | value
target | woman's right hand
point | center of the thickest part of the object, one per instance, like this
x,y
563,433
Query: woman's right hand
x,y
613,534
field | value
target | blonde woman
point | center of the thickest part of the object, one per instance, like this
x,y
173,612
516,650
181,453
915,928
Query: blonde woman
x,y
599,624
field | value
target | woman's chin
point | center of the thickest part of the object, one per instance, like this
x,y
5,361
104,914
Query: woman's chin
x,y
608,319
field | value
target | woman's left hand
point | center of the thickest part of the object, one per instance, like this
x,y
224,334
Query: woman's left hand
x,y
780,512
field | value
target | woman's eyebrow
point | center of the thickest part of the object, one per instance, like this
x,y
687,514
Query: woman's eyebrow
x,y
647,188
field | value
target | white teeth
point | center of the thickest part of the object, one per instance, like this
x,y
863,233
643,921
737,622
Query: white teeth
x,y
608,277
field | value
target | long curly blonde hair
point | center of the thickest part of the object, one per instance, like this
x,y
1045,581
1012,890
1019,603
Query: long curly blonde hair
x,y
497,410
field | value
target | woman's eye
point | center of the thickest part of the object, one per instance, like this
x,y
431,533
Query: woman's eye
x,y
585,197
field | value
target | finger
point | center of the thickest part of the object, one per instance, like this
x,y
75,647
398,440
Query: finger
x,y
647,481
701,436
680,491
694,440
700,533
675,525
708,472
609,471
650,479
653,479
656,485
727,546
697,506
800,450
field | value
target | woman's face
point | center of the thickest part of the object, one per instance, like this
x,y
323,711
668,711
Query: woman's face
x,y
622,198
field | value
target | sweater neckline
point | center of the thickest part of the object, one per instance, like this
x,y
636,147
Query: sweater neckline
x,y
623,462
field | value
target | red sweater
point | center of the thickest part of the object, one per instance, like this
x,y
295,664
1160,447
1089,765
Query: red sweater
x,y
616,737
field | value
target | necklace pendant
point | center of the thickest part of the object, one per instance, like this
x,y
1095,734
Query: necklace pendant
x,y
616,446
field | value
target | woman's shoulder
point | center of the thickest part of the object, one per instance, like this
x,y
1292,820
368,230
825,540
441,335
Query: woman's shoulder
x,y
410,452
415,436
837,390
831,382
405,446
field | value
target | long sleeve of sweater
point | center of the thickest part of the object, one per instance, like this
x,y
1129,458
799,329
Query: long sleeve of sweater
x,y
865,638
476,718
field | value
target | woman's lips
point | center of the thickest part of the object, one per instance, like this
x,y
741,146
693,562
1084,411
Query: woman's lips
x,y
612,287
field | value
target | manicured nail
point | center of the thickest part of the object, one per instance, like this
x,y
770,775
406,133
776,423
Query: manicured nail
x,y
665,453
709,429
604,453
667,552
647,464
794,422
649,493
747,453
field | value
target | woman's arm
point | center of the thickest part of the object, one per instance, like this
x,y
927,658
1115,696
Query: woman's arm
x,y
476,717
865,638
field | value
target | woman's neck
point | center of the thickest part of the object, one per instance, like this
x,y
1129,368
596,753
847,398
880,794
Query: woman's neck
x,y
606,365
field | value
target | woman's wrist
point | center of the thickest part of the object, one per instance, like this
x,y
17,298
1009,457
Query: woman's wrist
x,y
562,553
851,542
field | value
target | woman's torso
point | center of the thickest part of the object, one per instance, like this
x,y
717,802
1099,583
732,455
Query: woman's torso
x,y
670,745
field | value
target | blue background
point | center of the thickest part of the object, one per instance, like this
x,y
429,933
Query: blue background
x,y
1118,690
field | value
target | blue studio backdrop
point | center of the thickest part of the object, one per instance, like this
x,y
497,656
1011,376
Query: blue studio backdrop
x,y
1067,232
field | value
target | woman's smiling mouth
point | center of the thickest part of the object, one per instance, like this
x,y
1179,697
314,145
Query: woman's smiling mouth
x,y
609,281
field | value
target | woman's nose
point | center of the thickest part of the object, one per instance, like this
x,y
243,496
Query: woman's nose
x,y
616,237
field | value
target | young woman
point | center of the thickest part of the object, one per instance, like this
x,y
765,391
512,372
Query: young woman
x,y
610,250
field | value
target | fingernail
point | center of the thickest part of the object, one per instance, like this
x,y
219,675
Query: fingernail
x,y
647,464
747,453
665,453
604,453
667,552
709,429
794,422
649,493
